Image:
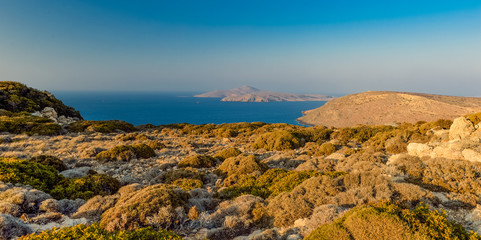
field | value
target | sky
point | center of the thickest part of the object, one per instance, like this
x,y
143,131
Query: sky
x,y
331,47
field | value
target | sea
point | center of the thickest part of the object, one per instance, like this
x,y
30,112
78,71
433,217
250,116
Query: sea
x,y
160,108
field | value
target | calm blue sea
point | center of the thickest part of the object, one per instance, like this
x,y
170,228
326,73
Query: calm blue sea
x,y
165,108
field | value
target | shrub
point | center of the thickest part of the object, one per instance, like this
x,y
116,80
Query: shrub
x,y
198,161
155,144
279,140
188,184
126,152
47,179
271,183
37,175
183,173
102,126
85,187
93,232
326,149
242,164
52,161
151,206
387,220
18,123
227,153
475,118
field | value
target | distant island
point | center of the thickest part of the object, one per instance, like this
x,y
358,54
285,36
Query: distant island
x,y
384,107
251,94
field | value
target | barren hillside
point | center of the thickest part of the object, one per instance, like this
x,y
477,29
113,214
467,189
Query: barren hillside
x,y
383,107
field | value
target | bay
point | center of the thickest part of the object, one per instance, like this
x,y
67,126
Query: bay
x,y
181,107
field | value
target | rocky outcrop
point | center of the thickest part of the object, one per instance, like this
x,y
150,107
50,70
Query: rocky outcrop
x,y
16,97
461,128
51,114
11,227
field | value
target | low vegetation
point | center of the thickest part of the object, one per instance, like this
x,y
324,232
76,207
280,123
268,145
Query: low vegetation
x,y
126,152
110,126
198,161
25,123
392,221
85,232
47,179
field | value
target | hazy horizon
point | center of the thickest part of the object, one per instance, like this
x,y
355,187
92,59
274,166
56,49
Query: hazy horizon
x,y
320,47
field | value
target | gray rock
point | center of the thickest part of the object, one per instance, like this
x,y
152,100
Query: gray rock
x,y
69,206
76,172
11,227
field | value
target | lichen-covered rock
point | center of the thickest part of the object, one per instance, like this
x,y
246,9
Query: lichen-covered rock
x,y
11,227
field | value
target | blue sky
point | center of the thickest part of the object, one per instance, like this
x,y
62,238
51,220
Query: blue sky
x,y
335,47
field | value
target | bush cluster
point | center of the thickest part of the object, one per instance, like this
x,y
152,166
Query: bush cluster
x,y
151,206
198,161
278,140
85,187
94,232
227,153
102,126
387,220
439,174
126,152
23,122
52,161
242,164
47,179
271,183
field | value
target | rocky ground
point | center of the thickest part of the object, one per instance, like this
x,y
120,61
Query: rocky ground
x,y
441,169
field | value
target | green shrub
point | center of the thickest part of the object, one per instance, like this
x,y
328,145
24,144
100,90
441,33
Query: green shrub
x,y
227,153
198,161
102,126
85,187
242,164
37,175
47,179
188,184
326,149
18,123
279,140
143,151
386,220
94,232
52,161
183,173
126,152
150,206
271,183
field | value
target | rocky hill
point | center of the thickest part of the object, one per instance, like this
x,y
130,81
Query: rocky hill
x,y
382,107
16,97
250,94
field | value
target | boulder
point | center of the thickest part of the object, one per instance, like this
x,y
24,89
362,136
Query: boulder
x,y
460,129
419,149
11,227
471,155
